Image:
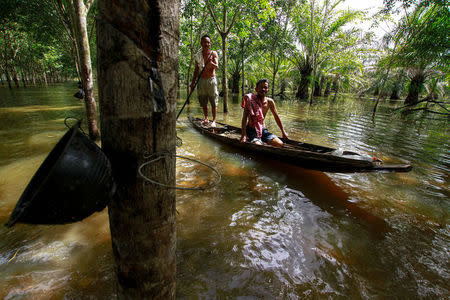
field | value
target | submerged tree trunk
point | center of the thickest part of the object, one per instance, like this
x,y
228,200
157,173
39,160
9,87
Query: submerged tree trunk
x,y
14,74
80,11
326,93
318,87
394,93
235,78
336,86
44,77
303,87
415,88
33,76
24,80
8,77
135,64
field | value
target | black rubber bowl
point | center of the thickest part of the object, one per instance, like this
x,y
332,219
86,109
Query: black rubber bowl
x,y
73,182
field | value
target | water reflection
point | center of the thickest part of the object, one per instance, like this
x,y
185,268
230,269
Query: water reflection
x,y
268,230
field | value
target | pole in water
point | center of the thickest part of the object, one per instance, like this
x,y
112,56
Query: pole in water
x,y
196,82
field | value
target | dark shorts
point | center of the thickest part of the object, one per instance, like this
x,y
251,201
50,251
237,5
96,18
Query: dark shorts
x,y
253,136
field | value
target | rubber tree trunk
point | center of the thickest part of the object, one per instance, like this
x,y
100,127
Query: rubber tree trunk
x,y
8,77
86,67
134,124
224,71
415,88
243,68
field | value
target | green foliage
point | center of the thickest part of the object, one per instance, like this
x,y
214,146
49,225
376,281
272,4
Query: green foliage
x,y
326,47
40,30
421,38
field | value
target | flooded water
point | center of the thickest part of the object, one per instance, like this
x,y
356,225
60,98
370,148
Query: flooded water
x,y
267,230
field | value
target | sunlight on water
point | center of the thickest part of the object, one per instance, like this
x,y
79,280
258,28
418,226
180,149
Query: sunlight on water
x,y
14,178
35,108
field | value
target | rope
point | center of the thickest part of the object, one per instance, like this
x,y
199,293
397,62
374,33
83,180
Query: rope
x,y
161,155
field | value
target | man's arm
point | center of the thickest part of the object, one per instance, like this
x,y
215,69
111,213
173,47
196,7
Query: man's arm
x,y
273,109
215,60
244,126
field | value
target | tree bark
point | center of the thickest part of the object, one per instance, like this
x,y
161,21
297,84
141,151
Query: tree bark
x,y
8,77
137,40
242,66
235,78
224,71
33,76
317,87
224,32
302,92
86,67
415,88
394,93
326,93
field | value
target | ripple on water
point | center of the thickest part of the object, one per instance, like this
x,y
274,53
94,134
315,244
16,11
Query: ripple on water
x,y
278,240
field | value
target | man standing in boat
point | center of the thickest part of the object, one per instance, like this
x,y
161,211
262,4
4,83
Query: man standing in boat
x,y
207,61
255,110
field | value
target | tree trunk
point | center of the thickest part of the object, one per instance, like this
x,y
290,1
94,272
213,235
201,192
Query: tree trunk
x,y
336,90
274,76
305,71
377,91
8,77
235,81
224,72
336,87
86,67
326,93
23,79
44,77
14,75
395,93
282,88
33,77
320,86
76,59
415,88
317,87
242,68
131,57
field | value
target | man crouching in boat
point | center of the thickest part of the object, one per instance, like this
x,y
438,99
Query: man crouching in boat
x,y
255,110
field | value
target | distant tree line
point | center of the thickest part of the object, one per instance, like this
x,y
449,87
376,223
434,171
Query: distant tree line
x,y
307,48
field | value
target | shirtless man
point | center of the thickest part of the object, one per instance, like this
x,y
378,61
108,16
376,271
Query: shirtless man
x,y
207,84
255,110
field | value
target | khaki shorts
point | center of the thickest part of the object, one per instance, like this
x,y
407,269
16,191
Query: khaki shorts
x,y
207,92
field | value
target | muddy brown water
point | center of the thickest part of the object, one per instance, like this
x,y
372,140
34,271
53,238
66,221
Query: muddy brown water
x,y
268,230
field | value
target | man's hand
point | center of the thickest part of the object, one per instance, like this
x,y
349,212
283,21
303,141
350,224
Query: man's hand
x,y
285,136
243,139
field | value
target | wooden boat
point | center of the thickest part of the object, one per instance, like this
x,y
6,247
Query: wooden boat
x,y
301,154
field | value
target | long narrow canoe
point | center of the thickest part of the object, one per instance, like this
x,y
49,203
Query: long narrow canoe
x,y
301,154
